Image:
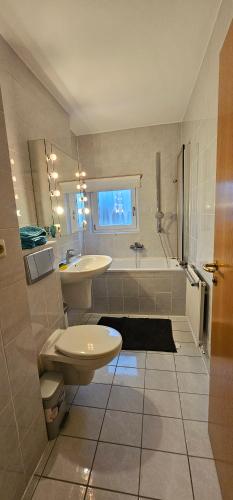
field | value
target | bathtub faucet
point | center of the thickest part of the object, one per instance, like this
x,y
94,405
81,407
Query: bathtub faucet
x,y
137,246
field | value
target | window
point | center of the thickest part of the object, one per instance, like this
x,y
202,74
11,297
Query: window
x,y
114,211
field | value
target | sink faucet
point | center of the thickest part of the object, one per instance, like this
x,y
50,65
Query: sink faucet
x,y
137,246
69,254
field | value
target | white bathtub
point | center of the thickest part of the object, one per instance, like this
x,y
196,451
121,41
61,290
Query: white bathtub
x,y
146,286
144,264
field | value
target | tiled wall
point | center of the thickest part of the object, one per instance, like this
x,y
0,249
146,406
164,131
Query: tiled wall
x,y
129,152
199,130
141,292
31,113
22,428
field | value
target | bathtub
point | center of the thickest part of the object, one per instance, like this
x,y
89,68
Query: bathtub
x,y
146,286
144,264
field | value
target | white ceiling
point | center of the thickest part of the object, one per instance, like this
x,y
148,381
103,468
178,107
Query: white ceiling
x,y
113,64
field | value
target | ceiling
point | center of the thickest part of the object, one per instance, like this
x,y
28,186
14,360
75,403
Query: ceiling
x,y
113,64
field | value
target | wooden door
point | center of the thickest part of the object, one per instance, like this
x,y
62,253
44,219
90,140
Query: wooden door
x,y
221,370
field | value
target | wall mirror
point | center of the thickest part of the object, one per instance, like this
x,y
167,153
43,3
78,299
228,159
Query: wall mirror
x,y
50,167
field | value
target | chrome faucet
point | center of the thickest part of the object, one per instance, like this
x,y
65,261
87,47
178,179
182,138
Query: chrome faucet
x,y
69,254
137,246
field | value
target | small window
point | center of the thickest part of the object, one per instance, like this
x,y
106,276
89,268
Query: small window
x,y
114,211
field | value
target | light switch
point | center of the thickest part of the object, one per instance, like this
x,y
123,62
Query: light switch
x,y
2,248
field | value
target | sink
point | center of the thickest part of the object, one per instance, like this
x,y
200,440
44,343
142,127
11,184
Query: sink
x,y
76,279
85,268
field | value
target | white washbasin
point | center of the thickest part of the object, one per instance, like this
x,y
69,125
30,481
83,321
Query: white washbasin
x,y
85,267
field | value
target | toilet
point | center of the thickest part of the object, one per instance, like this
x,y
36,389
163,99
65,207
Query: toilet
x,y
79,350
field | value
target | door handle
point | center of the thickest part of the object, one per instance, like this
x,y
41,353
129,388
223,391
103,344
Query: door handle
x,y
211,267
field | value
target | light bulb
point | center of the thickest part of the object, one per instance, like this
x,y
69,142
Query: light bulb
x,y
13,178
85,198
54,175
53,157
80,211
12,161
86,210
77,174
59,210
84,186
16,196
83,174
57,193
78,186
18,213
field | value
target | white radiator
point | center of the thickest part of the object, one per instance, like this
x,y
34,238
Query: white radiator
x,y
195,299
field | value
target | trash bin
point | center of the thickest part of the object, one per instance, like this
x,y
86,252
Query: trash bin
x,y
54,401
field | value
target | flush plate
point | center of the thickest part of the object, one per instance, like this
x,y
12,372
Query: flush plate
x,y
39,264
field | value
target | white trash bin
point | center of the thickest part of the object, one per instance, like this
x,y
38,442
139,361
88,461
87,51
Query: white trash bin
x,y
54,401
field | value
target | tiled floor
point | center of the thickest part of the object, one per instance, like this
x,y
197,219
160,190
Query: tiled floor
x,y
139,430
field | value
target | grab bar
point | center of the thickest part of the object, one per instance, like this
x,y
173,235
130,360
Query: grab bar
x,y
190,278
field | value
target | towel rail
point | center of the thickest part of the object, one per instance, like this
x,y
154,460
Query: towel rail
x,y
190,278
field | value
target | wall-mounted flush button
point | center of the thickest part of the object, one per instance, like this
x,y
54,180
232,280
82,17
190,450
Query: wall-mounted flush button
x,y
2,248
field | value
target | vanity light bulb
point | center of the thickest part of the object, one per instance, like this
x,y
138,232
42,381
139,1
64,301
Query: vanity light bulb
x,y
53,157
13,178
16,196
12,161
57,193
86,210
78,186
80,211
54,175
84,186
85,198
77,174
18,213
83,174
59,210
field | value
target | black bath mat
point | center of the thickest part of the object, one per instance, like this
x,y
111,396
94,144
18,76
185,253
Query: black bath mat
x,y
143,334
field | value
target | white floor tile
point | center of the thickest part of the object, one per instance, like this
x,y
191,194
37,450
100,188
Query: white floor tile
x,y
182,326
126,399
94,494
132,359
194,406
196,383
161,379
131,377
71,460
205,479
83,422
157,362
116,467
162,403
162,433
122,428
165,476
187,349
182,336
194,364
178,318
197,439
49,489
104,375
95,395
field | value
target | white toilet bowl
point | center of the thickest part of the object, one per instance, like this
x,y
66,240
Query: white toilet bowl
x,y
79,350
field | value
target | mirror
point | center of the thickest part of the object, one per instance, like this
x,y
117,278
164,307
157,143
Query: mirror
x,y
49,167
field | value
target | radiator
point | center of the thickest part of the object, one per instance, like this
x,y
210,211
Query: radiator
x,y
195,299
